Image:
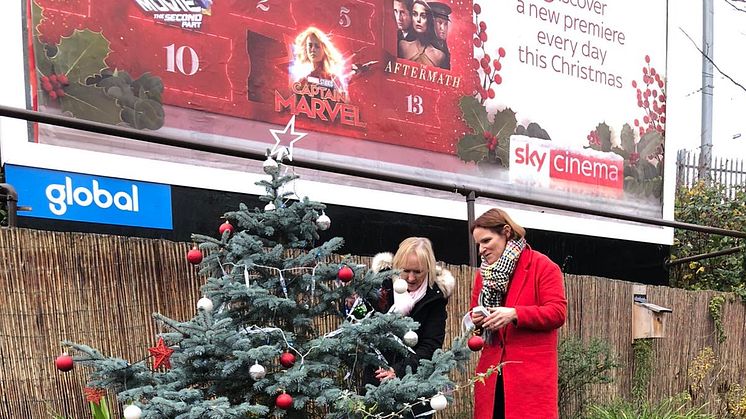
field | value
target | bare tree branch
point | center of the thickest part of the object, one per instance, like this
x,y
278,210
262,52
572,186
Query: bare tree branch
x,y
713,62
730,2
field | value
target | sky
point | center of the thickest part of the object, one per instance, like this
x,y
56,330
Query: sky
x,y
684,75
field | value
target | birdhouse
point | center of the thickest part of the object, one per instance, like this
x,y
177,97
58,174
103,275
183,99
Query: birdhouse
x,y
648,319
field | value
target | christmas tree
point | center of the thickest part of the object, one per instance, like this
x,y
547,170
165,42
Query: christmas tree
x,y
254,348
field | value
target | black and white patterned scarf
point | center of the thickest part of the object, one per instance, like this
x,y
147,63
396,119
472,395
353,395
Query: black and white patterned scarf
x,y
495,277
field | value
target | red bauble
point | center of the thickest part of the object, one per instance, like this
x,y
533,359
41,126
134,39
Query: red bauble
x,y
475,343
226,226
64,362
194,256
287,359
345,274
284,401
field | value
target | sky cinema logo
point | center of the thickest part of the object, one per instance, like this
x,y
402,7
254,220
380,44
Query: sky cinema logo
x,y
540,162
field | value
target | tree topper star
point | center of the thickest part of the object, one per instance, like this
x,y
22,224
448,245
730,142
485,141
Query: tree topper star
x,y
161,353
281,150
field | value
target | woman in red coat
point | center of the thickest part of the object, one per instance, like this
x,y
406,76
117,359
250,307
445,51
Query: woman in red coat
x,y
523,292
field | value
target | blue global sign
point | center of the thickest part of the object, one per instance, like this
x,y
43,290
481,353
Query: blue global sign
x,y
95,199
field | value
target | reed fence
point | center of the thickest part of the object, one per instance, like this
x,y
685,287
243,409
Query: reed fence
x,y
101,290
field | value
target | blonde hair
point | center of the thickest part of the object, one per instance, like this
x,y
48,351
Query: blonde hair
x,y
423,249
333,59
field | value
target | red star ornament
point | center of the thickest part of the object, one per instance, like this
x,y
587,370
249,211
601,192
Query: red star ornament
x,y
161,353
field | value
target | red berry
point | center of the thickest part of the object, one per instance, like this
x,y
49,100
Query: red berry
x,y
497,65
64,362
491,93
645,71
477,42
475,343
634,84
637,122
475,62
663,119
47,86
287,359
284,401
646,119
660,83
53,94
226,226
652,71
483,36
647,59
53,78
487,135
345,274
487,57
501,52
63,79
477,8
60,92
482,26
498,79
194,256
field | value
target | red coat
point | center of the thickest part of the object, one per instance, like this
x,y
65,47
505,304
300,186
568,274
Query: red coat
x,y
529,347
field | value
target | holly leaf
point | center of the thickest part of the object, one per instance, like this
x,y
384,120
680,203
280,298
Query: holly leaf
x,y
504,125
472,148
149,87
649,143
81,55
43,63
91,103
474,114
604,135
647,170
144,114
620,151
627,139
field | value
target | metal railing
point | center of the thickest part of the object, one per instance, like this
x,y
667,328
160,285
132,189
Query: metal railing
x,y
469,190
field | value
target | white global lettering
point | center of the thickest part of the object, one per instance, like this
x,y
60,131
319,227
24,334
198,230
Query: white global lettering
x,y
62,196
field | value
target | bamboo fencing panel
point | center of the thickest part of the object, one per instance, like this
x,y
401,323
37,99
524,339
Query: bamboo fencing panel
x,y
101,290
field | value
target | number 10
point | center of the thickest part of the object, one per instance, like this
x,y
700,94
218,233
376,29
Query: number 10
x,y
175,60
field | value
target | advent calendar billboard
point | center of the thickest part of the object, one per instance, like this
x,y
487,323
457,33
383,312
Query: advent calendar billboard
x,y
562,100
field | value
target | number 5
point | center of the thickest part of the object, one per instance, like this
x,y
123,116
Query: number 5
x,y
344,17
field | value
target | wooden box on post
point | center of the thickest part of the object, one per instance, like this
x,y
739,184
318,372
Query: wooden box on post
x,y
648,319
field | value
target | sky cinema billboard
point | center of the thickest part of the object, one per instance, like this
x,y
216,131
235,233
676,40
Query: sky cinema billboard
x,y
562,100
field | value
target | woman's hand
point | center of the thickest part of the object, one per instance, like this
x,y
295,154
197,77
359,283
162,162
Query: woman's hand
x,y
384,374
477,317
499,317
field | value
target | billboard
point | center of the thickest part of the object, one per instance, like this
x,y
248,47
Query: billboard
x,y
562,100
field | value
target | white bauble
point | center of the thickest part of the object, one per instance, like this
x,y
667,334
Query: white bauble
x,y
257,372
323,222
400,286
269,207
439,402
132,412
411,338
270,166
204,303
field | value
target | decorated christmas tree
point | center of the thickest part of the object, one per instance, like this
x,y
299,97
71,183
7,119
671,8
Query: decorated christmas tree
x,y
255,346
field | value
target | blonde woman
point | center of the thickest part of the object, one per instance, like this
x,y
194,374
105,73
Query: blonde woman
x,y
428,290
317,60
